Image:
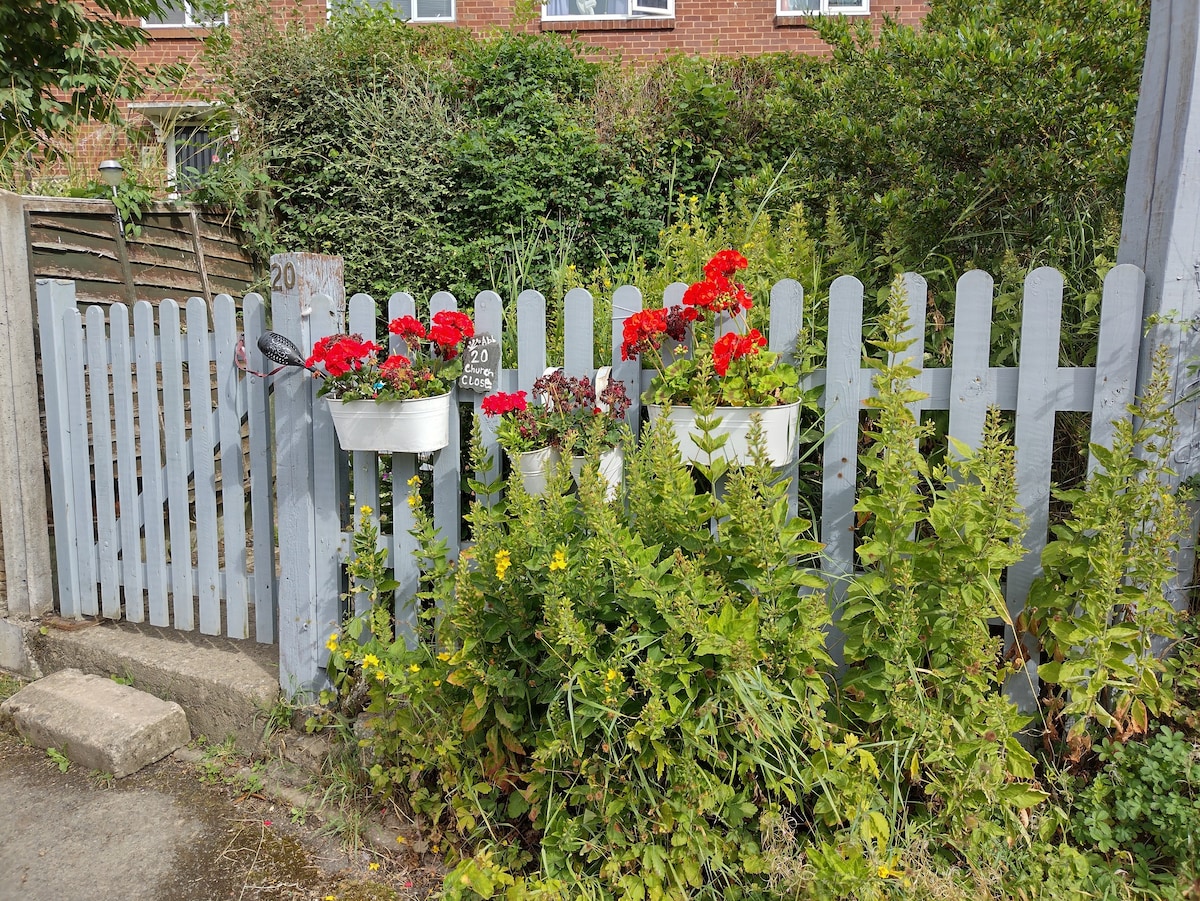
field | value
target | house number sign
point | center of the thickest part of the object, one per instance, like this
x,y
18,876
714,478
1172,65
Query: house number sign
x,y
481,364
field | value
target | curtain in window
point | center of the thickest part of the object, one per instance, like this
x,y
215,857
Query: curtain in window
x,y
587,8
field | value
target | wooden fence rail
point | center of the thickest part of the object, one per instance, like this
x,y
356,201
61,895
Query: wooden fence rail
x,y
119,554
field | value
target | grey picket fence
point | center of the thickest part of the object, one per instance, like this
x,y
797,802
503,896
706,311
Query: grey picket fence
x,y
114,554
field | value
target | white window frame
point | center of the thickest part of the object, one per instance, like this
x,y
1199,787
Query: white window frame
x,y
862,9
330,4
636,11
189,21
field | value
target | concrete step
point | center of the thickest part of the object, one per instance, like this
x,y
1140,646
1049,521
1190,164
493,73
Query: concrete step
x,y
96,722
226,687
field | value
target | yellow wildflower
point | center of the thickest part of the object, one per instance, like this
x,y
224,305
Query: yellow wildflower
x,y
380,675
370,660
444,656
332,643
414,481
372,866
611,674
559,561
399,839
414,668
364,510
503,562
884,871
413,500
437,682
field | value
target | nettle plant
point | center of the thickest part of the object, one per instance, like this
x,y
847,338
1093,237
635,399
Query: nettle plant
x,y
612,698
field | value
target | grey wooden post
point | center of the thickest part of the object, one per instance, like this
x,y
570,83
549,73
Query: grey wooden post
x,y
297,281
1160,229
23,515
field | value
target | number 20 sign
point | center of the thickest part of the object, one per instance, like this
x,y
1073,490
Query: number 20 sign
x,y
481,364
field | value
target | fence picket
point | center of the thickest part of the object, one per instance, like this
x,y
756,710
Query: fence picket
x,y
489,319
915,292
130,518
107,537
785,330
262,513
1117,348
364,465
531,338
233,493
146,352
328,490
447,491
77,410
54,298
406,571
204,474
970,379
1037,394
844,391
578,335
175,441
626,301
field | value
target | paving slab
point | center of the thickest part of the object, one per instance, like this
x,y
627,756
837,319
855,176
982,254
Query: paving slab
x,y
96,722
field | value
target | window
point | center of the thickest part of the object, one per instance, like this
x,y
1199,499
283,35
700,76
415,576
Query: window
x,y
189,14
408,10
823,7
192,136
607,9
191,151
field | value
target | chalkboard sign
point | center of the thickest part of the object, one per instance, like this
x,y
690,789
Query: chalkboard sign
x,y
481,364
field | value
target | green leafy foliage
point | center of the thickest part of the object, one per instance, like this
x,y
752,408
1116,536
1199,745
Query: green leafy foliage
x,y
625,684
61,65
1102,599
1142,809
994,136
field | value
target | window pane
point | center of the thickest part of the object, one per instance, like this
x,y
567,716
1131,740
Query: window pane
x,y
587,8
847,4
651,4
800,6
173,14
435,9
193,154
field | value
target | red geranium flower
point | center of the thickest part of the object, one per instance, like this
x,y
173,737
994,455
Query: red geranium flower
x,y
724,264
643,331
407,327
500,403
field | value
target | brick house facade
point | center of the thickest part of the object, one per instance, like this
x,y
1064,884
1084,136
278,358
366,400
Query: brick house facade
x,y
636,30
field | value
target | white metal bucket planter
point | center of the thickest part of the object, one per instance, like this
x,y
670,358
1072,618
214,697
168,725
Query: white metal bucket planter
x,y
534,468
419,425
612,469
780,426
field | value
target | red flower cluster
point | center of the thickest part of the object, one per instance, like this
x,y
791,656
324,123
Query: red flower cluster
x,y
724,264
646,329
341,353
718,294
447,333
733,346
500,403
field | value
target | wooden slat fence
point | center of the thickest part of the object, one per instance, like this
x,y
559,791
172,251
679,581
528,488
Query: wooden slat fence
x,y
149,476
313,478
